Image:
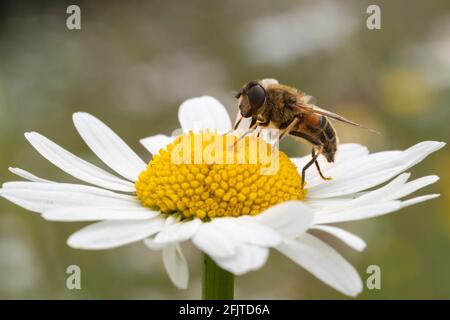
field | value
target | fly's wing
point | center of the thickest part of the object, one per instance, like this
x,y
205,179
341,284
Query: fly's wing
x,y
311,108
309,99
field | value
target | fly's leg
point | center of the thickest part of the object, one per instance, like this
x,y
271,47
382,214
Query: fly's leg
x,y
236,125
310,163
318,167
253,126
287,130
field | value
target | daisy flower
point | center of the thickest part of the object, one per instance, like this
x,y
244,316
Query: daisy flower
x,y
231,212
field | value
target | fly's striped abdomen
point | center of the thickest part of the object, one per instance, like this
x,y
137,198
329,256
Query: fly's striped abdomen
x,y
328,139
318,131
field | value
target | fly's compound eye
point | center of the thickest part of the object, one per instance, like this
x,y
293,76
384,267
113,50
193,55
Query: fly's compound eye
x,y
256,96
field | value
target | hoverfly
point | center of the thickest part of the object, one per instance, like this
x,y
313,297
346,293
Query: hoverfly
x,y
274,105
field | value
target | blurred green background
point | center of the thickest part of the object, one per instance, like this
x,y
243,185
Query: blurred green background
x,y
134,62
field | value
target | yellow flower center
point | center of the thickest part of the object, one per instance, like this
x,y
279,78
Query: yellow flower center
x,y
206,175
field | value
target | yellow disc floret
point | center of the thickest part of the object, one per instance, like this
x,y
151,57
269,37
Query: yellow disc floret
x,y
208,175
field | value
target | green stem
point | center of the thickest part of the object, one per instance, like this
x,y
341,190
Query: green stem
x,y
218,284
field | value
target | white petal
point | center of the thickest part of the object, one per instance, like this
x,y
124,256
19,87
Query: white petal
x,y
75,166
177,232
111,234
155,143
346,152
214,241
328,203
176,265
289,219
96,213
58,186
152,245
40,196
350,239
221,237
376,196
26,204
203,113
336,188
27,175
411,187
394,190
247,258
380,194
369,171
246,229
349,151
357,213
417,200
108,146
323,262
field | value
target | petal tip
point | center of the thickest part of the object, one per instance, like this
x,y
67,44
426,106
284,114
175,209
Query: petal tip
x,y
434,178
181,286
80,116
71,242
74,242
30,134
437,145
440,145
